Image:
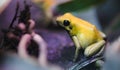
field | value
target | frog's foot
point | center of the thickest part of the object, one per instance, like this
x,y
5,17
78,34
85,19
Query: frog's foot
x,y
101,51
99,63
76,54
94,48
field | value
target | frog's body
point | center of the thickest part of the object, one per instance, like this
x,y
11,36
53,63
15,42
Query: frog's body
x,y
84,34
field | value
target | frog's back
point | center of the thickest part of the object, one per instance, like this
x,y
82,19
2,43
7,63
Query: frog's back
x,y
88,36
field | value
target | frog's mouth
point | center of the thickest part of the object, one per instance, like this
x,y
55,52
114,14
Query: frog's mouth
x,y
58,22
60,25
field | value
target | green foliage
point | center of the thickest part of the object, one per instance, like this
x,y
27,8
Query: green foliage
x,y
77,5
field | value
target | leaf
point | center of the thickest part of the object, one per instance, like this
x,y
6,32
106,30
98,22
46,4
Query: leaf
x,y
77,5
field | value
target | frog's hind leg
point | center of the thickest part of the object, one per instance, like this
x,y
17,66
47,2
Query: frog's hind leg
x,y
94,48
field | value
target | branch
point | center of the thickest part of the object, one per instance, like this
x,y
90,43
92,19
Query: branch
x,y
15,17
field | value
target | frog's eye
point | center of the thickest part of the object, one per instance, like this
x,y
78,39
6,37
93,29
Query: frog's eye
x,y
66,23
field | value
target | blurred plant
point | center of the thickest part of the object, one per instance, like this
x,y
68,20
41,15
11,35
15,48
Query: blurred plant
x,y
48,8
26,38
77,5
15,32
3,4
113,30
112,56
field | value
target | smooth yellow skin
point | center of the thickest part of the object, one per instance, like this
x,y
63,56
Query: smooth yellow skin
x,y
84,34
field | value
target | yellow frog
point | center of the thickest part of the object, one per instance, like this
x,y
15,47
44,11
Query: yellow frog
x,y
84,34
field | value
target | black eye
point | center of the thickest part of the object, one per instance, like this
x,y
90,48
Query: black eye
x,y
66,23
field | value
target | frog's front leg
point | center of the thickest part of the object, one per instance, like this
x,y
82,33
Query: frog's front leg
x,y
94,48
77,44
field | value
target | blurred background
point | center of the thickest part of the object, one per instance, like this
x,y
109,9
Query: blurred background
x,y
105,14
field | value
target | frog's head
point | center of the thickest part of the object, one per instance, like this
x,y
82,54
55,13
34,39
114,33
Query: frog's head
x,y
65,21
